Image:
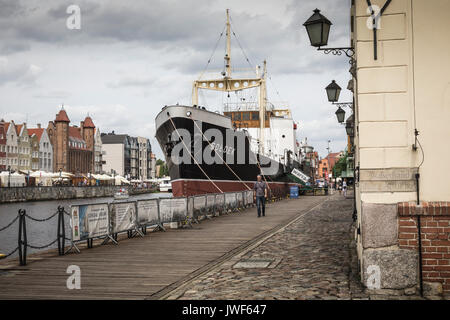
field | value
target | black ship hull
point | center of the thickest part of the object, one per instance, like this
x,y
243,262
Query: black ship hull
x,y
235,167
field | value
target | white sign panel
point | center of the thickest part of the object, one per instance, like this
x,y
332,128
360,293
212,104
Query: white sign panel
x,y
173,209
123,216
239,198
220,200
148,212
230,199
210,201
250,197
190,207
89,221
300,175
199,202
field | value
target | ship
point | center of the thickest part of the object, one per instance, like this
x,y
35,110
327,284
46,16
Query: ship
x,y
216,151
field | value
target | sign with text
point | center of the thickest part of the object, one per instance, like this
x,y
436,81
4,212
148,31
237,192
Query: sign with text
x,y
122,216
172,209
148,212
300,175
89,221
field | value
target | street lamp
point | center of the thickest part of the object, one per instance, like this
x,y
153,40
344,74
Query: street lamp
x,y
318,29
340,114
333,91
349,127
9,176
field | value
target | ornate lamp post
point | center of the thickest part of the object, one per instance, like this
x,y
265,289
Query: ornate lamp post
x,y
9,176
318,29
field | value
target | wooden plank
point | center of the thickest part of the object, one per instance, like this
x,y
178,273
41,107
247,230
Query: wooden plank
x,y
142,266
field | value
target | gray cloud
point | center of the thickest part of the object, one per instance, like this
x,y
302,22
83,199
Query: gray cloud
x,y
131,58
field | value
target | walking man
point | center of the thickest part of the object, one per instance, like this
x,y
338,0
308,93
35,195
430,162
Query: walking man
x,y
260,195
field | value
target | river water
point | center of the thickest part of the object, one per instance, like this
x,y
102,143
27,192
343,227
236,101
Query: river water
x,y
42,233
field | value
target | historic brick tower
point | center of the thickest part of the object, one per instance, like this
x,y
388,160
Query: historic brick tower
x,y
88,132
60,138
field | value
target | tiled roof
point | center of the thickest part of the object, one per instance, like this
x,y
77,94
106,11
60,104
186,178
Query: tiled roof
x,y
74,132
37,131
18,128
62,116
88,123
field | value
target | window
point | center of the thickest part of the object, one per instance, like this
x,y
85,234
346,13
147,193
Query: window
x,y
237,116
245,116
255,116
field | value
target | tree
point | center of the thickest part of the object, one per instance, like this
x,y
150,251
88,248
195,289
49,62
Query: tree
x,y
340,166
163,170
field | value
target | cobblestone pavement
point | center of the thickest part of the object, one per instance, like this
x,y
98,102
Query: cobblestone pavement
x,y
312,258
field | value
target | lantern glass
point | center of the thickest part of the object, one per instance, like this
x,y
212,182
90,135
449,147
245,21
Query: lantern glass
x,y
340,114
349,129
333,91
318,28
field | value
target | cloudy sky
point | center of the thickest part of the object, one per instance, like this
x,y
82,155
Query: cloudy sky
x,y
130,58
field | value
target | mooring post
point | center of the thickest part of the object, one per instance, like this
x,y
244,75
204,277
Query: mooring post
x,y
22,239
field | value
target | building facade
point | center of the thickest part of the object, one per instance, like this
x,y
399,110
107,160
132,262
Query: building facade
x,y
98,158
12,142
402,108
152,166
24,148
73,146
127,156
116,153
3,166
45,148
34,148
323,169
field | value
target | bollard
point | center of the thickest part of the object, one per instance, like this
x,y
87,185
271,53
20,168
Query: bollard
x,y
61,233
22,239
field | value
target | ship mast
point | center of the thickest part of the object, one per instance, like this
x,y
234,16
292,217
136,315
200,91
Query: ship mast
x,y
228,53
227,84
262,108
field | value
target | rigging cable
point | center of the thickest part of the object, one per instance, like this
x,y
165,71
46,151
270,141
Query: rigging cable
x,y
214,51
220,155
239,43
257,162
195,160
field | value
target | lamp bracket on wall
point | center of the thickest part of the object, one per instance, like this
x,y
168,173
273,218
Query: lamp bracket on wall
x,y
344,104
349,52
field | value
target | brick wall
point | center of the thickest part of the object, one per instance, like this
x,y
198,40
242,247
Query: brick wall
x,y
435,238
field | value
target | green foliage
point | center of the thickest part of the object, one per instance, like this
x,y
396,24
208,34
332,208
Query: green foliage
x,y
163,170
340,166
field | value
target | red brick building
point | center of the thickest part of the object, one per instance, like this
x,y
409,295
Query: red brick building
x,y
3,165
73,146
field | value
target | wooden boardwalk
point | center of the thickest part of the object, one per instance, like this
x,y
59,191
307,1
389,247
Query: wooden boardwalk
x,y
147,268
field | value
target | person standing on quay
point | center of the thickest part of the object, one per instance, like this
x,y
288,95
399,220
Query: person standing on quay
x,y
260,195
